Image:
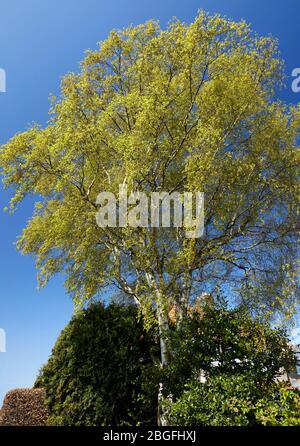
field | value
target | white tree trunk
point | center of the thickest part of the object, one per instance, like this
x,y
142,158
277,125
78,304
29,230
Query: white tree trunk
x,y
163,327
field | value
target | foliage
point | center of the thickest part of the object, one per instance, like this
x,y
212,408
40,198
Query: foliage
x,y
188,108
279,408
24,407
104,370
100,371
224,342
236,400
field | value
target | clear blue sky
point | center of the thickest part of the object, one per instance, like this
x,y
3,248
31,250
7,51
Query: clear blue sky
x,y
39,42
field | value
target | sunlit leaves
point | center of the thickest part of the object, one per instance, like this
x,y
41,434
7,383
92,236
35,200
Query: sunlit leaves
x,y
188,108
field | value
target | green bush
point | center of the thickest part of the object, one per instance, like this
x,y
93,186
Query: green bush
x,y
100,371
235,401
223,342
240,359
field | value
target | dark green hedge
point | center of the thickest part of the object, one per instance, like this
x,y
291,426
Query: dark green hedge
x,y
100,371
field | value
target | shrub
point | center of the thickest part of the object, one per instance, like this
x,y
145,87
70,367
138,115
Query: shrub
x,y
223,342
235,400
240,359
24,407
100,371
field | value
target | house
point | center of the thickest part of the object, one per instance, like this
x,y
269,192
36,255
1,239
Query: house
x,y
293,376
